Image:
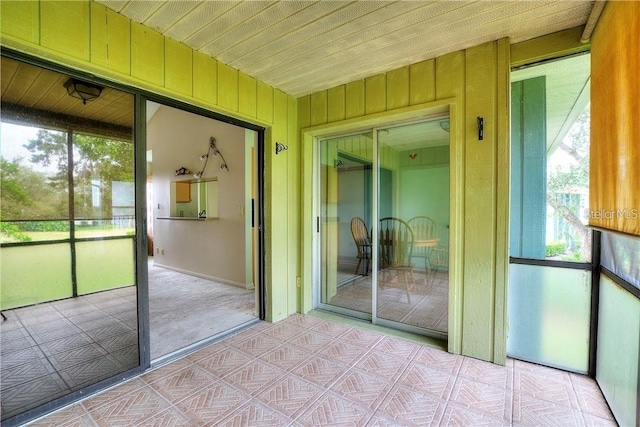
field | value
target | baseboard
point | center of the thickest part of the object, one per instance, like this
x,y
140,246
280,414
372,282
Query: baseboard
x,y
246,286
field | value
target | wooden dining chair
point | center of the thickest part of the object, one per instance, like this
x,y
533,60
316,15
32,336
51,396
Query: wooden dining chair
x,y
396,251
361,238
425,234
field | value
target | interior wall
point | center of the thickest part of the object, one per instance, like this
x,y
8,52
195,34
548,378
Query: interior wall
x,y
471,83
432,183
214,248
91,38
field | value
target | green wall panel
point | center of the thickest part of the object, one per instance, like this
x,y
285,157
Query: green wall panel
x,y
398,88
228,79
21,19
66,28
422,82
247,89
336,103
205,78
110,39
147,54
354,99
375,94
178,72
319,108
265,102
480,199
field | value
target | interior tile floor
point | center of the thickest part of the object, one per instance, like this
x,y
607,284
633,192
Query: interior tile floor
x,y
426,307
51,349
309,371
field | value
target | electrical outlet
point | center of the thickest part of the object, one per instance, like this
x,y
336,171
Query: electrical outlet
x,y
162,251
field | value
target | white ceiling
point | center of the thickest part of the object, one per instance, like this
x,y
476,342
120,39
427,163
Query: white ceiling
x,y
301,47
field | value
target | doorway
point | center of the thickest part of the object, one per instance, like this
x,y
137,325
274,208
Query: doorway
x,y
550,298
383,224
202,279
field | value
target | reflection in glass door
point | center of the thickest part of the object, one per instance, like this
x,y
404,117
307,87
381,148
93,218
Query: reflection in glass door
x,y
413,225
398,227
346,214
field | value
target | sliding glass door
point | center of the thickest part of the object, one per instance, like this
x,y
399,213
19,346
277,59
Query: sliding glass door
x,y
383,225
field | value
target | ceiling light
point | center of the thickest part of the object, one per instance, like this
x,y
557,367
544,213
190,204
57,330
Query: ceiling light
x,y
82,90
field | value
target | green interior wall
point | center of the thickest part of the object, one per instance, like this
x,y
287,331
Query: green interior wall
x,y
91,38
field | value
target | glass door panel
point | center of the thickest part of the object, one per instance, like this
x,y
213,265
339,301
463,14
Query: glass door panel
x,y
413,225
345,223
68,288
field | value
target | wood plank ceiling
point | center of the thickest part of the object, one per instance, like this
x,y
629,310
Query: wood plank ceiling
x,y
301,47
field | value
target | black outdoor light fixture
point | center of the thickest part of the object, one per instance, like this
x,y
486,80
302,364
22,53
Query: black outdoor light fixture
x,y
480,121
280,147
82,90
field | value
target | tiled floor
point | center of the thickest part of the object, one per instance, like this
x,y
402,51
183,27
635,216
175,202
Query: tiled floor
x,y
427,307
308,371
49,350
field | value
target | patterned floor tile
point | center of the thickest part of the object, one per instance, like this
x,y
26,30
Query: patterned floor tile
x,y
409,407
212,403
90,372
439,359
380,421
171,417
286,356
320,371
303,320
591,402
257,345
331,329
113,394
545,387
76,356
21,357
253,377
28,395
361,337
343,351
111,330
333,410
493,401
284,331
426,380
65,344
255,414
166,370
312,341
183,383
290,395
487,372
382,365
362,387
18,374
455,415
224,361
528,411
130,409
399,348
15,339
